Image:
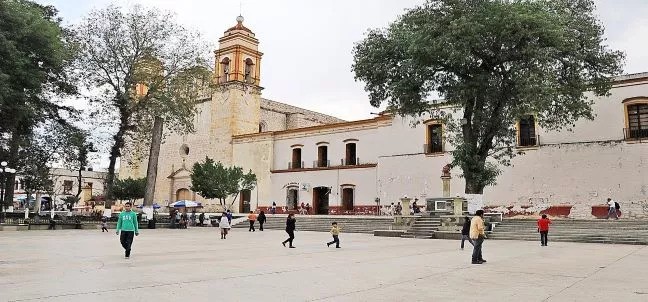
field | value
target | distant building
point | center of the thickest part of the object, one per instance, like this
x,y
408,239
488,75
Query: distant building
x,y
66,183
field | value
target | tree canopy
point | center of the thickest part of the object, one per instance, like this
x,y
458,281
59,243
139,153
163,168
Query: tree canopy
x,y
35,55
212,180
129,189
145,65
493,61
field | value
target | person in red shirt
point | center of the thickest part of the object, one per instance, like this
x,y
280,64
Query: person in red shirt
x,y
543,228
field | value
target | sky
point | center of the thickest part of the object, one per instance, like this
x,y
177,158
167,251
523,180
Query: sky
x,y
307,45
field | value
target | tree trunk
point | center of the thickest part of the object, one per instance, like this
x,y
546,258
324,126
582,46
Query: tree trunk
x,y
234,200
79,179
154,154
115,152
473,186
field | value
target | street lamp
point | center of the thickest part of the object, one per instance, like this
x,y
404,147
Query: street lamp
x,y
5,170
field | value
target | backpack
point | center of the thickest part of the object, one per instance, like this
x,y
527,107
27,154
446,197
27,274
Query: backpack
x,y
616,205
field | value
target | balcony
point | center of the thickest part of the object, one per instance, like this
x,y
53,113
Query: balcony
x,y
295,165
433,148
634,134
321,164
350,162
528,141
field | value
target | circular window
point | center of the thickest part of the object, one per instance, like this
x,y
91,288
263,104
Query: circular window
x,y
184,150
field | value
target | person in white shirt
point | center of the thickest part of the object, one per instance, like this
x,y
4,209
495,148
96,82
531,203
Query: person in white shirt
x,y
224,226
612,211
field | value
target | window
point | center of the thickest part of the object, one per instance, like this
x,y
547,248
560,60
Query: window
x,y
351,157
225,67
322,156
296,159
527,132
637,121
434,138
262,127
67,186
248,70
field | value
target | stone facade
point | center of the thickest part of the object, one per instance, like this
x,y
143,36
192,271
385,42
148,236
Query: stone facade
x,y
345,167
567,173
235,107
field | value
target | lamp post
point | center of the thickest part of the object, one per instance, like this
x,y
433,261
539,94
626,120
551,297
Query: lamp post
x,y
4,169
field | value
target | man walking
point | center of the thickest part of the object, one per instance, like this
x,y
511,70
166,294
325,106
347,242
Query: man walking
x,y
612,210
252,218
465,233
477,234
543,228
129,228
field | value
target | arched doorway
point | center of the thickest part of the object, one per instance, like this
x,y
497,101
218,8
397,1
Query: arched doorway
x,y
348,196
321,200
292,198
244,201
183,194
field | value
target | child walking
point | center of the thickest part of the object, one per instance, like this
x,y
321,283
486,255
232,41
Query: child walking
x,y
127,224
335,231
104,225
543,229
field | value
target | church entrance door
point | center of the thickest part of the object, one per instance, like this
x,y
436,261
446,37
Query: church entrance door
x,y
321,200
183,194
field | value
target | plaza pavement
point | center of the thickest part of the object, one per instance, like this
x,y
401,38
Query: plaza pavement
x,y
195,265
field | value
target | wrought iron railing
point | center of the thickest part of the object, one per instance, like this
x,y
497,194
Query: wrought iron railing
x,y
528,141
296,165
433,148
321,163
350,161
632,134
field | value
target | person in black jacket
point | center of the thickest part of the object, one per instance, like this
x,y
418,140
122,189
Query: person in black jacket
x,y
465,233
261,219
290,229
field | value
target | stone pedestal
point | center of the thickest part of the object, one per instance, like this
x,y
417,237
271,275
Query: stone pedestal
x,y
405,203
458,206
445,180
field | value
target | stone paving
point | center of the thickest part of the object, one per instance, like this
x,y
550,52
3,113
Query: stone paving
x,y
195,265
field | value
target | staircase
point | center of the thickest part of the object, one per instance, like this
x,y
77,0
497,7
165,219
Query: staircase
x,y
349,224
589,231
423,227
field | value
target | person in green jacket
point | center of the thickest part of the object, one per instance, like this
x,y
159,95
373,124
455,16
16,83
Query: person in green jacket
x,y
127,224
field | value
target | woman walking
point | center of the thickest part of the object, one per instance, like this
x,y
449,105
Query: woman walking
x,y
290,229
261,219
224,226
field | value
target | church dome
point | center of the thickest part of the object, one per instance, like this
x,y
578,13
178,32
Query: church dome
x,y
239,25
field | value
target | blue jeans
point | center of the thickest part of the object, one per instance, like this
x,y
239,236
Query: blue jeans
x,y
464,238
477,249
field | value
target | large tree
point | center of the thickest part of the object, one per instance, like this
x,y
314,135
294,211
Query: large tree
x,y
34,55
140,61
494,61
212,180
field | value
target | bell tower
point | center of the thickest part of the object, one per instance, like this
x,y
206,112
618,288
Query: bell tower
x,y
236,101
238,57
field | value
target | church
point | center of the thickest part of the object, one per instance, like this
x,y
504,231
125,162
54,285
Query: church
x,y
352,167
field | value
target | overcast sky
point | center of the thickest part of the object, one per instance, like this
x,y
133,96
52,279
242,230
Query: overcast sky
x,y
307,44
